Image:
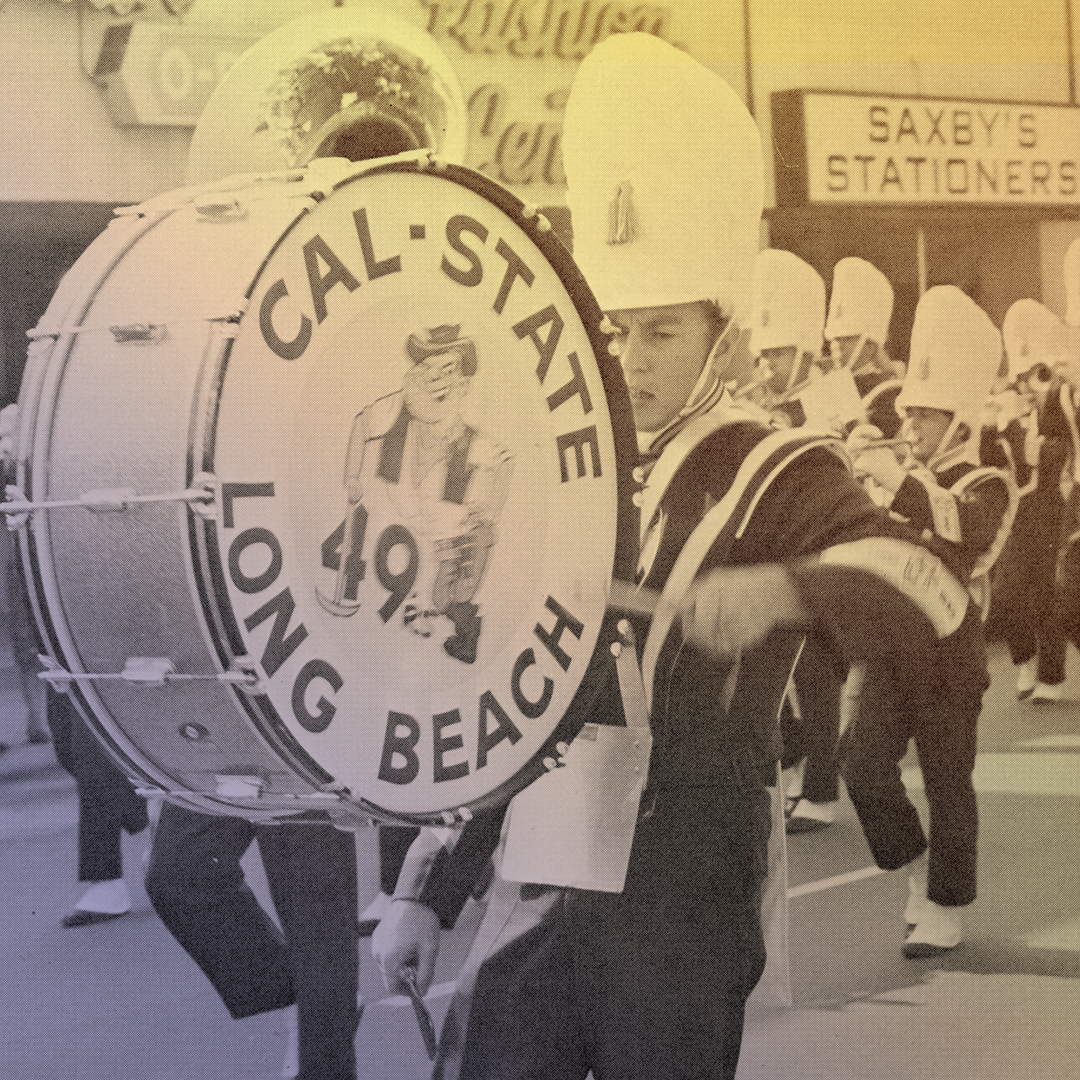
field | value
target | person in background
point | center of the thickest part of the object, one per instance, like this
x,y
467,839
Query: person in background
x,y
857,328
108,807
16,603
1066,364
966,510
785,334
786,321
1025,596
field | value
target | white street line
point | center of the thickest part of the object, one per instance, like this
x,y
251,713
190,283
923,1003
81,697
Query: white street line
x,y
1061,937
1049,741
1018,774
833,882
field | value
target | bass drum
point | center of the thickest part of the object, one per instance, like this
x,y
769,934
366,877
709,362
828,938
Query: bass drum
x,y
326,479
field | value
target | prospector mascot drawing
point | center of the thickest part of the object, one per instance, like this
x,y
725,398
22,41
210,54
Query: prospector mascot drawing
x,y
443,482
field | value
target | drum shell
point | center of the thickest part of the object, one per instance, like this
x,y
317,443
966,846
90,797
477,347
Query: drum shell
x,y
98,414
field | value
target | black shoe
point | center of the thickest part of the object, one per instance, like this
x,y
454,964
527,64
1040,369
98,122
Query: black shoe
x,y
923,950
87,918
462,645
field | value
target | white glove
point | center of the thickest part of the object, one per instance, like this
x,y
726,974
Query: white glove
x,y
407,937
731,609
878,463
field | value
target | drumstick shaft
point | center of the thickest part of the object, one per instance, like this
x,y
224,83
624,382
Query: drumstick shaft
x,y
879,444
632,598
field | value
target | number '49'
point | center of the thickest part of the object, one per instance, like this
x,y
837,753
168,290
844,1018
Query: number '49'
x,y
342,551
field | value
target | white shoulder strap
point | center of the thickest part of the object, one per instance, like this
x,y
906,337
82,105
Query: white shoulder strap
x,y
985,562
759,468
678,450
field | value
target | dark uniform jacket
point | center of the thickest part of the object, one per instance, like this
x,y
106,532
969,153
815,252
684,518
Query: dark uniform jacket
x,y
707,759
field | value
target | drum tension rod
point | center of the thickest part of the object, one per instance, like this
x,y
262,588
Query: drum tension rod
x,y
151,671
201,495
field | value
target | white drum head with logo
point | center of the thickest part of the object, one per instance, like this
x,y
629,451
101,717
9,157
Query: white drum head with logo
x,y
418,490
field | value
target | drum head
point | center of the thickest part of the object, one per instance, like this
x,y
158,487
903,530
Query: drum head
x,y
422,447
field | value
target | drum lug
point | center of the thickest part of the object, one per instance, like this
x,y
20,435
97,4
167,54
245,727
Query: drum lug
x,y
238,787
202,496
107,500
139,333
243,673
148,670
219,210
16,518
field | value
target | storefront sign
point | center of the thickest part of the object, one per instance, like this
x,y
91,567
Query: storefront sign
x,y
878,149
516,61
163,75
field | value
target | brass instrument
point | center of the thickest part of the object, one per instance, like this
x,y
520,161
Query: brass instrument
x,y
357,83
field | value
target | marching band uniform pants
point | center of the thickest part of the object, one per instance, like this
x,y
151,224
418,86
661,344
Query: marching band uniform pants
x,y
943,725
814,734
108,804
648,983
196,885
1026,607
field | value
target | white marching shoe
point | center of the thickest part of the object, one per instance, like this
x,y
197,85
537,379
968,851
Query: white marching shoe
x,y
1027,679
102,901
936,932
807,816
915,907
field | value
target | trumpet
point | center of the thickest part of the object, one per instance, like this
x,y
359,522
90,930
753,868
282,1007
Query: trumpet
x,y
883,444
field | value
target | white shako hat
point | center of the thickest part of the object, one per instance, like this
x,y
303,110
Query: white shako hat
x,y
1072,283
861,302
1033,335
788,303
955,356
664,178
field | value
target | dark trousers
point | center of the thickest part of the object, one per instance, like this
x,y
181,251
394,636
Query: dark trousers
x,y
196,885
819,684
1026,608
108,804
394,844
943,725
645,984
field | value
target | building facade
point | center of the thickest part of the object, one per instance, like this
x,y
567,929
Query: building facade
x,y
941,141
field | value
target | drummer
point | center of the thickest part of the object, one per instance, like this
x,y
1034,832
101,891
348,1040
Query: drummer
x,y
653,981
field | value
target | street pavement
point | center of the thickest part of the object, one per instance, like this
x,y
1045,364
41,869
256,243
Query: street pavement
x,y
122,1000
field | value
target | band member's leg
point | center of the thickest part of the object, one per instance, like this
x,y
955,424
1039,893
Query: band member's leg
x,y
872,750
196,885
946,746
311,870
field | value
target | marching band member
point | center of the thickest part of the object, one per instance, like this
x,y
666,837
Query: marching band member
x,y
785,333
1066,363
860,307
786,321
964,510
856,329
664,177
1025,601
